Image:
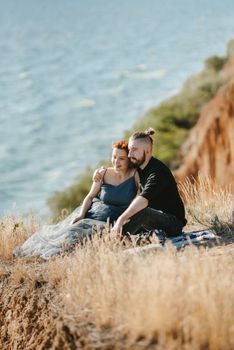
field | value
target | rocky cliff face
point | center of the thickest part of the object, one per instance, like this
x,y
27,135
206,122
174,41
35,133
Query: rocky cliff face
x,y
209,149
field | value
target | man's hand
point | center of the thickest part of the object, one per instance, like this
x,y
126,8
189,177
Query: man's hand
x,y
137,204
98,174
118,226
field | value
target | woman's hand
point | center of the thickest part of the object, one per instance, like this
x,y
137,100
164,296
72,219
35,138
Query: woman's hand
x,y
78,218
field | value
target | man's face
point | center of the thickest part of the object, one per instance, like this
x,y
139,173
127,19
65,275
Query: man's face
x,y
136,152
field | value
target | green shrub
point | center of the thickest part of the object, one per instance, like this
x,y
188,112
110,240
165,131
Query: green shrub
x,y
215,63
230,48
174,117
72,196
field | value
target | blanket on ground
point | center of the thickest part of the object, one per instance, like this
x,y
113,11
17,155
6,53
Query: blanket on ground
x,y
186,238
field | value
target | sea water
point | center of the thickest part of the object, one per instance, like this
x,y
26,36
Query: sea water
x,y
75,74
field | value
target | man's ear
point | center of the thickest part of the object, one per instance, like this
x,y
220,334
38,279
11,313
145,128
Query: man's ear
x,y
148,150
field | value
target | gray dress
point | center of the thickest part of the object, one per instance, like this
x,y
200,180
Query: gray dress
x,y
53,239
112,200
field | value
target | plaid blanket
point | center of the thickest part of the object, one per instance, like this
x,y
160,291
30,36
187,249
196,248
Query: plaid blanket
x,y
194,237
186,238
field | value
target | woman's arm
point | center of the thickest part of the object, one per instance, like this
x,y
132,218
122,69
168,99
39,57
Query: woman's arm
x,y
95,188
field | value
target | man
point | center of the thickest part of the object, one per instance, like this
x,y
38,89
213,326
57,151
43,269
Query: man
x,y
159,205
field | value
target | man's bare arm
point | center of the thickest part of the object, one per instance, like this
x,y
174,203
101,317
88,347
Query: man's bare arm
x,y
137,204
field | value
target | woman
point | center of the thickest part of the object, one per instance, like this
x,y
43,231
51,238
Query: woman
x,y
106,200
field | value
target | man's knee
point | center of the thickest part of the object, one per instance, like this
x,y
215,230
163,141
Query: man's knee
x,y
141,214
136,221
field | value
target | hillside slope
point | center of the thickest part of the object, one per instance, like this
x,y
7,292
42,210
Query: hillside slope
x,y
209,148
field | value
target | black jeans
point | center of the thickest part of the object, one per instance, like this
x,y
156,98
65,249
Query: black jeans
x,y
152,219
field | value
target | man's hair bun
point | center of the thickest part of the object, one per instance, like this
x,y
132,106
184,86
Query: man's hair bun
x,y
146,135
150,131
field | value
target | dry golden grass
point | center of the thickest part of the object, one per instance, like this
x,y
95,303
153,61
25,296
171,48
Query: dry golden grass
x,y
182,300
175,299
172,298
14,230
208,205
23,273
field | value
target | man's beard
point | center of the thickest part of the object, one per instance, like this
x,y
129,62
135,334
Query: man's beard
x,y
138,162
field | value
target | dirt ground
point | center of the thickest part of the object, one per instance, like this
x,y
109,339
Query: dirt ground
x,y
31,317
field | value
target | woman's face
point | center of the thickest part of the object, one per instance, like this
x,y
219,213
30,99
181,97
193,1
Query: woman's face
x,y
120,159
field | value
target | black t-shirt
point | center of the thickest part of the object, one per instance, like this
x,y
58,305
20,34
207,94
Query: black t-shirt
x,y
158,185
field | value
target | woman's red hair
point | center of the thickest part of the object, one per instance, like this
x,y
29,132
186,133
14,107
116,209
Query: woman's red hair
x,y
123,144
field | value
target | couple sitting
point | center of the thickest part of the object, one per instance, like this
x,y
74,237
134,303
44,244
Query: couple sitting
x,y
113,196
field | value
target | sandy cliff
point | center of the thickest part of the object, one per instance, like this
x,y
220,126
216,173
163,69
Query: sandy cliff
x,y
209,149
